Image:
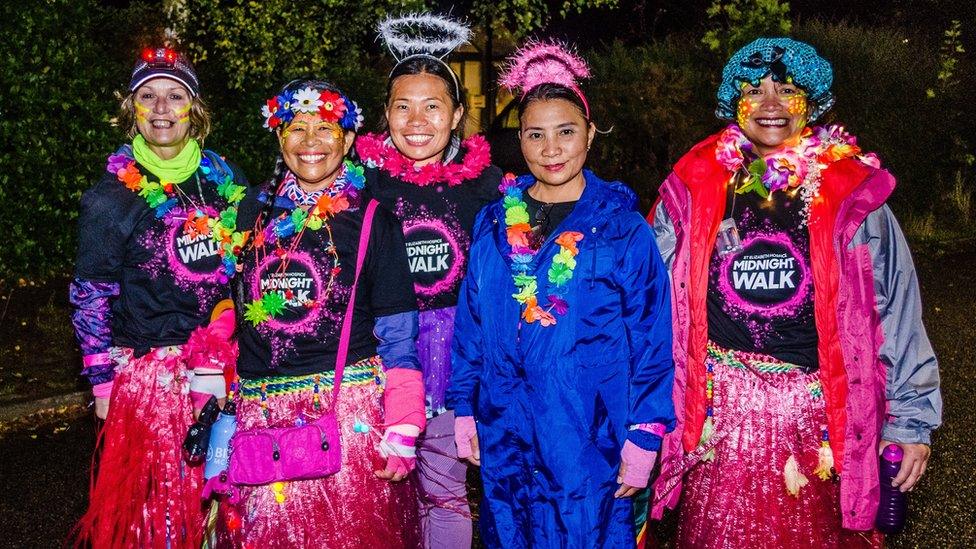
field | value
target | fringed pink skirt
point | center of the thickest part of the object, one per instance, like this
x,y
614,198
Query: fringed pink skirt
x,y
351,508
145,495
766,484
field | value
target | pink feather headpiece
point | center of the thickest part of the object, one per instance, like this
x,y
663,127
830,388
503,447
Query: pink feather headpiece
x,y
545,63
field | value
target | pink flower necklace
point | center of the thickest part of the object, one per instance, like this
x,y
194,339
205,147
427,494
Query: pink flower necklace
x,y
795,166
375,152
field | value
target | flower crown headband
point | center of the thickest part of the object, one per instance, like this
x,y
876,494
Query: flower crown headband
x,y
333,106
538,63
424,35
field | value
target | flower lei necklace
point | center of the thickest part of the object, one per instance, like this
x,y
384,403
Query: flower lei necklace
x,y
376,152
160,196
561,269
334,201
796,166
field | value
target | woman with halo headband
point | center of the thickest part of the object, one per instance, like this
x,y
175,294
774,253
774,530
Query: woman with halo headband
x,y
156,248
562,343
328,321
435,183
799,346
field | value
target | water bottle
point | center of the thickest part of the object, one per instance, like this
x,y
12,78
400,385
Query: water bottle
x,y
218,451
198,436
893,506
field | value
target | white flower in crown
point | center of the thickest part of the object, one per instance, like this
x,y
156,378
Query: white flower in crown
x,y
307,100
267,114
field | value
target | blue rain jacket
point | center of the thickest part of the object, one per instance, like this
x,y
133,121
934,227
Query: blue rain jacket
x,y
554,404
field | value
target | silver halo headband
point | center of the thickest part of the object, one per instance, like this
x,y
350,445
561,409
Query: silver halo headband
x,y
433,37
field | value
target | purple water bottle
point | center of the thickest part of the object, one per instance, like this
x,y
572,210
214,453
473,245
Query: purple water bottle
x,y
893,506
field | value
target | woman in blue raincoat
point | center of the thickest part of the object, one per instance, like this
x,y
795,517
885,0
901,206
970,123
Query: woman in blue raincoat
x,y
562,367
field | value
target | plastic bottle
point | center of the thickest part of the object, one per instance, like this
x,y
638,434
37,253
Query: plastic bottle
x,y
893,505
198,436
218,450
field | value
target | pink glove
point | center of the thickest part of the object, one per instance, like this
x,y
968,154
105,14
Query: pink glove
x,y
464,430
639,464
403,399
103,390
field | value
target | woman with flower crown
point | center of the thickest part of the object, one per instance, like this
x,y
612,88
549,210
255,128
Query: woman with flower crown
x,y
325,298
435,183
799,346
155,251
562,356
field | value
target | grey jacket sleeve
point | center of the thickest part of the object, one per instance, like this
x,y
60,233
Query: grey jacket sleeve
x,y
912,387
664,234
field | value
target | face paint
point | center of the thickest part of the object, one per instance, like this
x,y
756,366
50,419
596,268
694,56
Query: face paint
x,y
797,105
184,114
746,108
141,111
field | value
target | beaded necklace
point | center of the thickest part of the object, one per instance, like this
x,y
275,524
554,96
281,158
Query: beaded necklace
x,y
377,153
293,224
161,196
518,232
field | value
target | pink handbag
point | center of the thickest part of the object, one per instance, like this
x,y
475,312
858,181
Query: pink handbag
x,y
263,456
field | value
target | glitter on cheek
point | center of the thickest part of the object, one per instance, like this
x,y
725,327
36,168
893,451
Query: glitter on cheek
x,y
746,108
797,105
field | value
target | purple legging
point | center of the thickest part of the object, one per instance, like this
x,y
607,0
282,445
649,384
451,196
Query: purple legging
x,y
444,513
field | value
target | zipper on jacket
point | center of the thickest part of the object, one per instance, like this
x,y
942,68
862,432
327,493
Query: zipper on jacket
x,y
593,261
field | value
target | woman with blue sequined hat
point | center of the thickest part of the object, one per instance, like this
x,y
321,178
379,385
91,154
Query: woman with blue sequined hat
x,y
798,341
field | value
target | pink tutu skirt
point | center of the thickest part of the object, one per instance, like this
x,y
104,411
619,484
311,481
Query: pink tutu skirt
x,y
351,508
145,495
767,482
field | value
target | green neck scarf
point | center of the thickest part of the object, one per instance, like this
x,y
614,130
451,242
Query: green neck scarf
x,y
175,170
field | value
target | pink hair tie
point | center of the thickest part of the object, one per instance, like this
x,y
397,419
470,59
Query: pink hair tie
x,y
96,359
654,428
403,440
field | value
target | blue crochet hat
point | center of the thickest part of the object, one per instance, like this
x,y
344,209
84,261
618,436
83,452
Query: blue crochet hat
x,y
786,60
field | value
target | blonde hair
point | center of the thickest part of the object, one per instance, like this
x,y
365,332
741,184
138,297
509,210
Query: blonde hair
x,y
126,119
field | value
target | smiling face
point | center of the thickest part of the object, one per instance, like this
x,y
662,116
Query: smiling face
x,y
421,117
313,150
554,138
163,115
772,114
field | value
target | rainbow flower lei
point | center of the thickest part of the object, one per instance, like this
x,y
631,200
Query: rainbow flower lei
x,y
796,166
159,195
336,200
377,153
561,269
332,107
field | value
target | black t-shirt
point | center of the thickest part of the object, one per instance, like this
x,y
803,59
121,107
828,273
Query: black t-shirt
x,y
545,217
760,298
304,339
168,281
437,223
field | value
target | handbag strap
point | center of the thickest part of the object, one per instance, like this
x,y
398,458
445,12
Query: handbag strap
x,y
345,332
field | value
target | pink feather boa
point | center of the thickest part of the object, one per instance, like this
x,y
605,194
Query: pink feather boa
x,y
375,152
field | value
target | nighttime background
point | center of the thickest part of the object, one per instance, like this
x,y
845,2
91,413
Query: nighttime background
x,y
904,80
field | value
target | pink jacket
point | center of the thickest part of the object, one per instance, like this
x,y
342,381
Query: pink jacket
x,y
865,292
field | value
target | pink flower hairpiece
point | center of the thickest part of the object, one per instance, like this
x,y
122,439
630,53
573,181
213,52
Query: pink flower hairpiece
x,y
539,63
